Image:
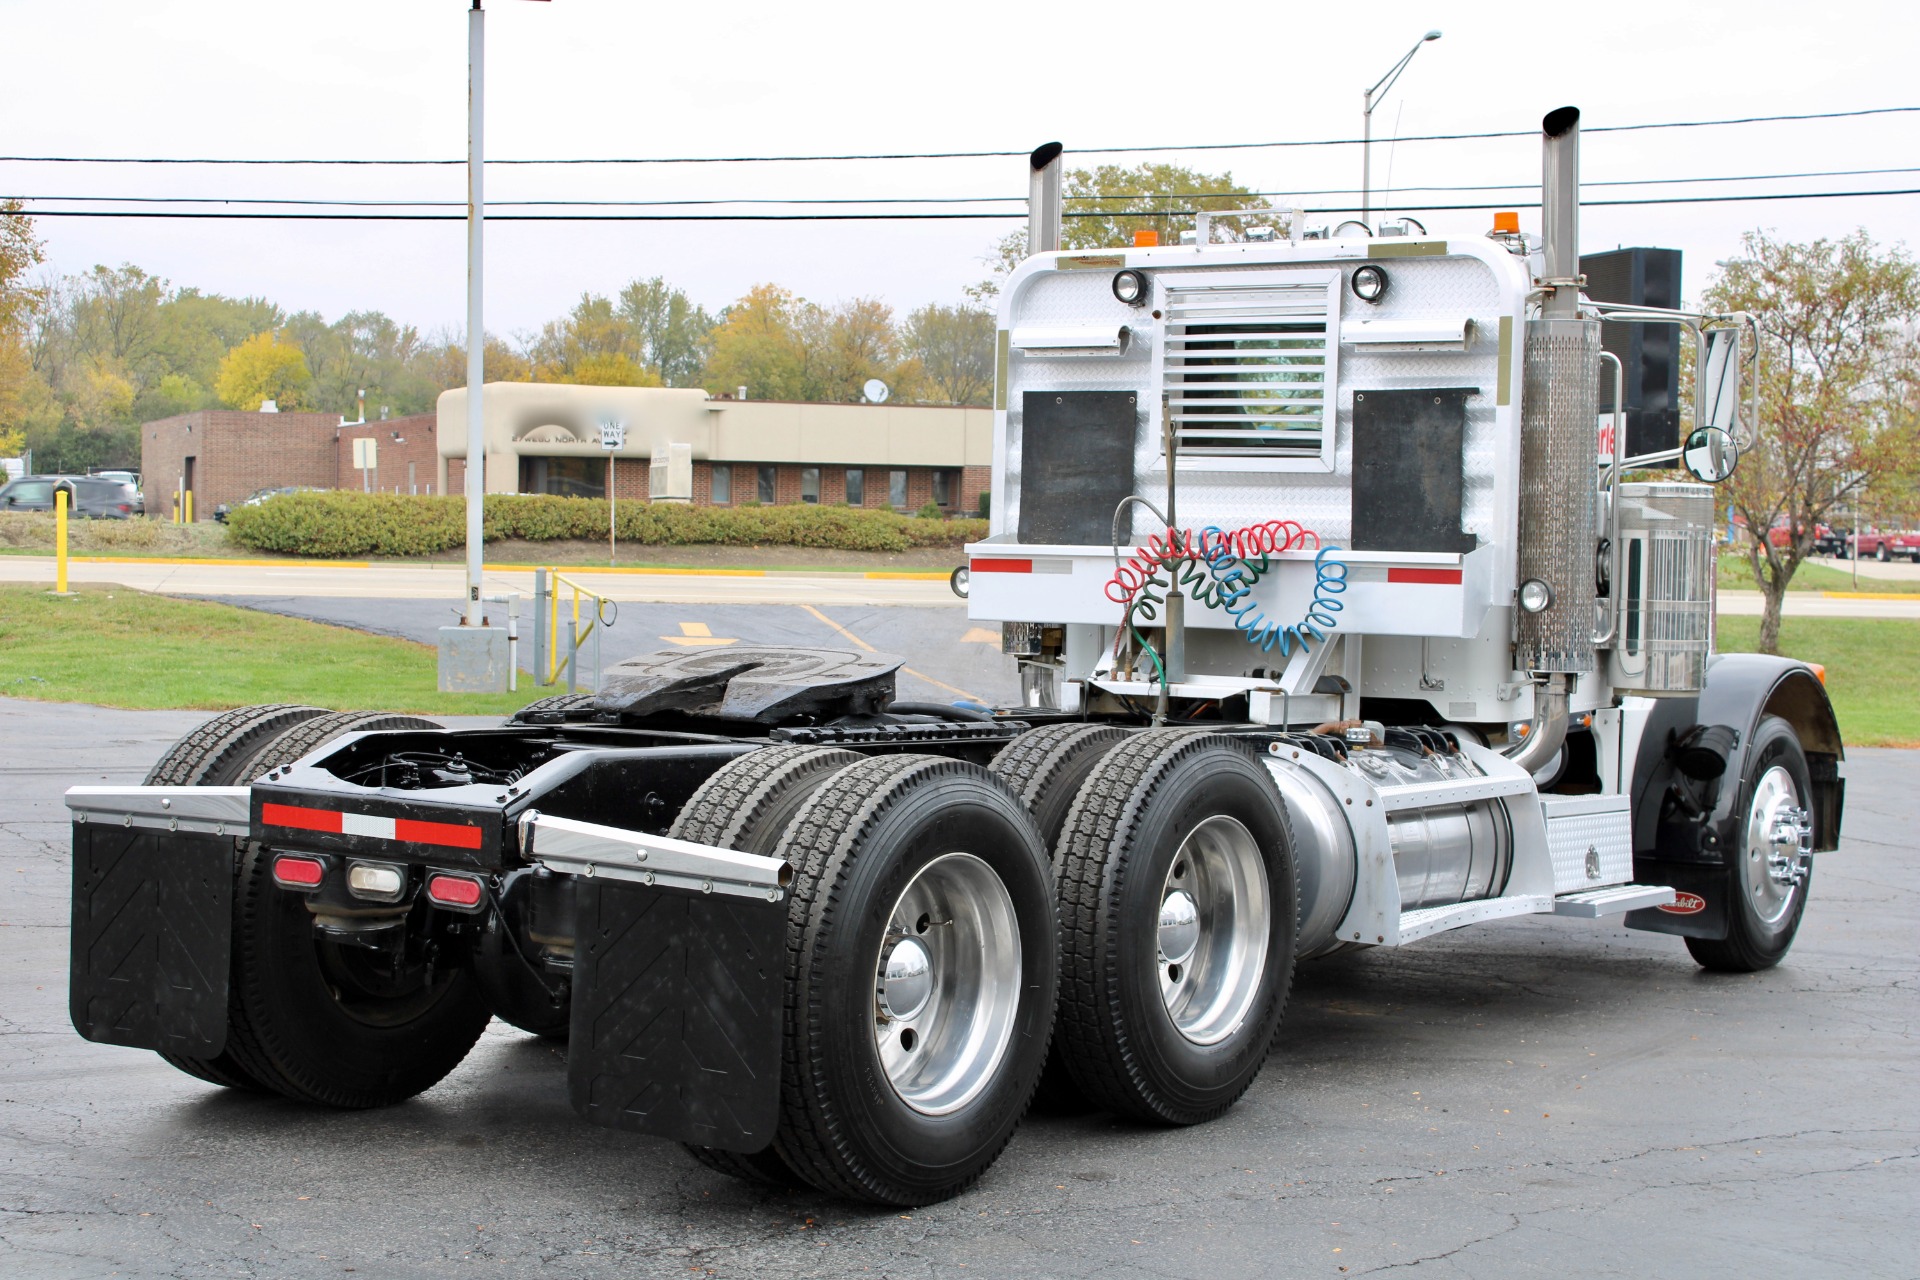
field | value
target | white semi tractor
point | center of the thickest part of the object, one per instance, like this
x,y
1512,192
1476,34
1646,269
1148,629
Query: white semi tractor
x,y
1333,631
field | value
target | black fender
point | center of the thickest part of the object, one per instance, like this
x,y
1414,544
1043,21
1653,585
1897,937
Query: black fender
x,y
1689,850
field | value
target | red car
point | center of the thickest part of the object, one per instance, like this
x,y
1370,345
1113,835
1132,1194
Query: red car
x,y
1887,545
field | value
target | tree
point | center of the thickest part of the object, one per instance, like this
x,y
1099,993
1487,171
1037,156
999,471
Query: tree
x,y
951,351
1105,206
264,368
20,252
845,347
669,330
758,345
1839,364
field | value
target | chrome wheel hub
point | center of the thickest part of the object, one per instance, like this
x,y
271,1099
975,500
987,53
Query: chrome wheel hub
x,y
1215,915
1779,845
947,984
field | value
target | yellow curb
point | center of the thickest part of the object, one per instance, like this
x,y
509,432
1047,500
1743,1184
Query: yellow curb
x,y
1872,595
910,577
564,570
254,564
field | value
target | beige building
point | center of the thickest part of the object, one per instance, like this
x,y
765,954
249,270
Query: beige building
x,y
545,438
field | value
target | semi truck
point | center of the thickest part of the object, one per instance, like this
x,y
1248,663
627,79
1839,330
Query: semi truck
x,y
1332,633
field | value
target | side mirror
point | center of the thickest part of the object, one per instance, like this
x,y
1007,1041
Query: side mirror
x,y
1710,455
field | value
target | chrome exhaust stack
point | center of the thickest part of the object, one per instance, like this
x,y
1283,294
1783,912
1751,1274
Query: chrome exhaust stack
x,y
1559,459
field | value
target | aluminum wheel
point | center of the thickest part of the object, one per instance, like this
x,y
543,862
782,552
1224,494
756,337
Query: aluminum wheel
x,y
1779,846
947,984
1214,923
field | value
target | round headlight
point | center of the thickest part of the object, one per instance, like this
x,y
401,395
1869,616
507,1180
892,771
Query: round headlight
x,y
1369,283
1130,287
1535,595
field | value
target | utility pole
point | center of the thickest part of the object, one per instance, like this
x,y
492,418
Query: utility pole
x,y
476,329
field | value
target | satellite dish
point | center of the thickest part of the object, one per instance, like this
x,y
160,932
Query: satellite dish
x,y
876,391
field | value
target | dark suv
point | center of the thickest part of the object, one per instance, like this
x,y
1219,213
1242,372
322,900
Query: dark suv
x,y
89,496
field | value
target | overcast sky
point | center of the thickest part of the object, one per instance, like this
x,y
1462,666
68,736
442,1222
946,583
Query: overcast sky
x,y
387,79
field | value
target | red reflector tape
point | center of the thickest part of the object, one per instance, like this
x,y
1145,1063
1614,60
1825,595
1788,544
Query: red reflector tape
x,y
1439,577
451,835
300,819
1003,566
453,891
299,873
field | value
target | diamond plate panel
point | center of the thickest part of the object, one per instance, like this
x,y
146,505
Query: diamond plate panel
x,y
676,1014
151,938
1591,845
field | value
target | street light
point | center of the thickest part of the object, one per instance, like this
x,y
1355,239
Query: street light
x,y
1379,90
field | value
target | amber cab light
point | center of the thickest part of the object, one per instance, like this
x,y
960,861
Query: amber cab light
x,y
1146,238
462,893
1508,221
291,871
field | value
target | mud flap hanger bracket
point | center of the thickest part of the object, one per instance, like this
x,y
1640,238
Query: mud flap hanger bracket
x,y
589,849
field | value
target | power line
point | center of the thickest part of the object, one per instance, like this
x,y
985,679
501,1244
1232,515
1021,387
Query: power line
x,y
942,200
904,217
963,155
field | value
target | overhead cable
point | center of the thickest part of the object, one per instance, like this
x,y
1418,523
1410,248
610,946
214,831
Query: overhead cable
x,y
963,155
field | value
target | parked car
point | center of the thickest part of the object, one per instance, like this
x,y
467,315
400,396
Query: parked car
x,y
1886,545
92,497
130,478
258,496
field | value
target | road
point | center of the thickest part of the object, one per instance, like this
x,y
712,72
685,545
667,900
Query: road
x,y
1528,1099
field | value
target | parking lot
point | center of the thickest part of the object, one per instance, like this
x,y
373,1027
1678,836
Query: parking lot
x,y
1525,1098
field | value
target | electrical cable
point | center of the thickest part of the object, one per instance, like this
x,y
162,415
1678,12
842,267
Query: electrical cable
x,y
961,155
910,217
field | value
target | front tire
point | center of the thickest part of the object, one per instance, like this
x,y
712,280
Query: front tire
x,y
1179,906
1772,869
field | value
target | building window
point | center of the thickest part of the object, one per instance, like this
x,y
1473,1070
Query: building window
x,y
945,485
809,484
897,489
568,477
767,476
856,487
720,487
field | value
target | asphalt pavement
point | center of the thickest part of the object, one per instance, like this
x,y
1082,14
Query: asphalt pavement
x,y
1525,1098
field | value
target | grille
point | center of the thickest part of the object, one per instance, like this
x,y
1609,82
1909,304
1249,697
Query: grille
x,y
1249,372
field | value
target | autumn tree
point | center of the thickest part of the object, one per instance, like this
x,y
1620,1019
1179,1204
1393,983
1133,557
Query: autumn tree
x,y
1103,207
758,345
264,367
1839,363
669,330
951,352
20,252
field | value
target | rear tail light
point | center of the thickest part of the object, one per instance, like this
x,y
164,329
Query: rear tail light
x,y
292,871
458,893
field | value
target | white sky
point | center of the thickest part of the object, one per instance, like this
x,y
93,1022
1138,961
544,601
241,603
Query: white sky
x,y
387,79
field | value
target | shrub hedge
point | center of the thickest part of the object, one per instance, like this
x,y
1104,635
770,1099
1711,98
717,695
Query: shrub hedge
x,y
341,523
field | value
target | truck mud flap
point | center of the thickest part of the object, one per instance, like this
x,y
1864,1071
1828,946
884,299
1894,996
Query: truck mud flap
x,y
676,1018
152,938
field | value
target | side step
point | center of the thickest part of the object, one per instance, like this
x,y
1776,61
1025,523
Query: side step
x,y
1611,902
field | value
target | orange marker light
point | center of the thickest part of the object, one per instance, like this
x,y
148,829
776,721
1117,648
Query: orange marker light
x,y
1507,221
1146,238
1820,671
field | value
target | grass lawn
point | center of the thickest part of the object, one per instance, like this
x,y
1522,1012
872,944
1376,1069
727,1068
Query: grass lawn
x,y
1735,575
1873,670
124,648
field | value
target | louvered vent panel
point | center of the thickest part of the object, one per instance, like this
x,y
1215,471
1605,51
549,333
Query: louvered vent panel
x,y
1249,373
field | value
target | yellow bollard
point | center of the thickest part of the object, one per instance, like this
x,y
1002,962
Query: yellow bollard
x,y
189,506
60,542
176,506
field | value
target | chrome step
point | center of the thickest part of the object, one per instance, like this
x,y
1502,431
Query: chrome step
x,y
1596,903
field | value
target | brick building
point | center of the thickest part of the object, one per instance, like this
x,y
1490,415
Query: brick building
x,y
545,438
223,455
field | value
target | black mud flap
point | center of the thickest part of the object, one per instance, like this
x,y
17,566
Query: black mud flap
x,y
151,940
676,1013
1700,908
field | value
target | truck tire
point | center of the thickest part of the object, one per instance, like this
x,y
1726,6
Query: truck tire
x,y
326,1023
1179,906
552,709
211,754
309,736
921,977
1763,914
208,757
1045,768
746,806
